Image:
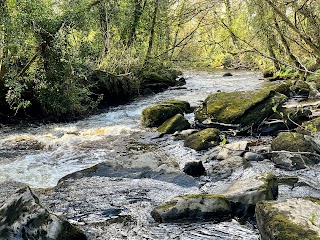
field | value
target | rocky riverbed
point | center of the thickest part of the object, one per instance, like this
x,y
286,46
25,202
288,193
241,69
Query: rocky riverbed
x,y
121,180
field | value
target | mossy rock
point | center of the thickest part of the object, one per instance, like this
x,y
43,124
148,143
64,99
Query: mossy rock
x,y
309,127
155,115
292,142
176,123
193,207
184,105
291,219
315,78
204,139
267,73
245,108
300,88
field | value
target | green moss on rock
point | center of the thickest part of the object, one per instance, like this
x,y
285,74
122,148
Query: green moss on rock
x,y
246,108
176,123
155,115
292,142
274,225
204,139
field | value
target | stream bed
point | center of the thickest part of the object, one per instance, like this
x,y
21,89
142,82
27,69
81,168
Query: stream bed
x,y
137,170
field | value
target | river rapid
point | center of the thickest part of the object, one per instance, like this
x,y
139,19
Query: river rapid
x,y
139,170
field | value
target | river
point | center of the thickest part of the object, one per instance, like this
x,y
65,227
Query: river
x,y
116,204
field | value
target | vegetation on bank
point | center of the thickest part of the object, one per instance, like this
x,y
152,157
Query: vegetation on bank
x,y
62,59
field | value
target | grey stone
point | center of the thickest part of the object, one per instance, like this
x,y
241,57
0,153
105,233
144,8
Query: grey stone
x,y
23,217
289,219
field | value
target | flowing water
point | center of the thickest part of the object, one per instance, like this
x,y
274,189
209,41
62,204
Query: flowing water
x,y
140,171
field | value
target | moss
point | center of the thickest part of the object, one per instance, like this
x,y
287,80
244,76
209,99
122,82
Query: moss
x,y
230,107
290,180
168,205
176,123
315,78
204,139
314,200
293,142
274,225
310,127
184,105
155,115
270,185
204,196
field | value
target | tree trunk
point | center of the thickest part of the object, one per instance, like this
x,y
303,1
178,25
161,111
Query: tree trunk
x,y
285,43
229,17
104,26
152,30
302,35
138,7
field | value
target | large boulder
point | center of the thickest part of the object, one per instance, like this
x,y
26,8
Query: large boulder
x,y
236,199
193,207
176,123
204,139
244,108
155,115
291,219
23,217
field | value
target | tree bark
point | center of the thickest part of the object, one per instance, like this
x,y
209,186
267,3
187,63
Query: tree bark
x,y
306,39
152,30
285,43
138,10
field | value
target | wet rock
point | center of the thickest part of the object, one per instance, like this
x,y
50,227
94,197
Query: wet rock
x,y
291,219
23,217
254,157
176,123
227,75
240,197
252,109
232,149
289,161
194,169
204,139
156,115
182,135
23,143
283,119
292,142
300,88
288,180
246,193
294,161
193,207
226,167
268,73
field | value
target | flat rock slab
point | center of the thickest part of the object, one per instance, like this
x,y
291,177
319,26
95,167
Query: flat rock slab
x,y
291,219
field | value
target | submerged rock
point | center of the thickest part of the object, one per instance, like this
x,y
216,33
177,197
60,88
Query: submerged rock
x,y
156,115
176,123
227,74
204,139
194,169
235,200
23,217
291,219
244,108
